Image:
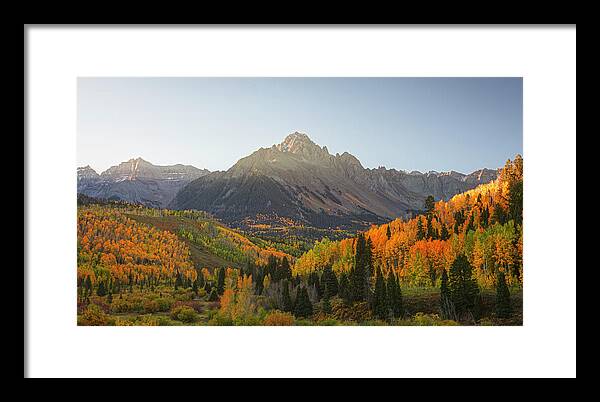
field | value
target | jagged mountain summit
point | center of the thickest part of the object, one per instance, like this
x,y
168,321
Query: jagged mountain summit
x,y
137,181
301,180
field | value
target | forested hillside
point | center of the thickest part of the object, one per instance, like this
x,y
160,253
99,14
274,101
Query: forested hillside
x,y
460,262
485,224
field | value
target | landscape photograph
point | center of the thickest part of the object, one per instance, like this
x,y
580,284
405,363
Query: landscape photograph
x,y
304,201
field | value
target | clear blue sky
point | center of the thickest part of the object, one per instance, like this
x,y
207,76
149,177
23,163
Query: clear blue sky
x,y
421,124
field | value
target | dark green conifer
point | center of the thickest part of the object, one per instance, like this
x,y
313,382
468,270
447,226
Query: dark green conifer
x,y
503,309
101,291
380,304
220,281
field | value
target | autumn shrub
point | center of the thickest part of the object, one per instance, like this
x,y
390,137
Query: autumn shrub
x,y
212,305
422,319
124,322
122,306
279,318
101,303
329,322
164,303
93,315
197,306
81,306
147,320
248,320
358,312
184,314
151,306
219,319
182,295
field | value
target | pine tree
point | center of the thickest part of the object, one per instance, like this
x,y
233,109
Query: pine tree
x,y
303,307
214,295
429,204
369,270
326,302
395,296
430,233
344,288
286,270
503,309
101,291
444,235
420,231
221,281
357,274
285,296
463,289
329,280
446,306
380,300
88,285
388,232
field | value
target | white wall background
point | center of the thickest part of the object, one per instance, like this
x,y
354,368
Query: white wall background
x,y
544,346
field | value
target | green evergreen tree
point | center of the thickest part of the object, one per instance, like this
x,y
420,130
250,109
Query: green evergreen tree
x,y
369,267
214,295
88,285
326,302
286,270
303,307
380,304
344,288
444,234
446,306
329,279
220,281
503,309
499,215
429,205
430,233
388,232
285,296
358,271
420,231
463,289
101,291
395,296
515,202
485,217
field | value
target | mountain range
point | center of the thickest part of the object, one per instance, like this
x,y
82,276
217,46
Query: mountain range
x,y
300,180
297,180
137,181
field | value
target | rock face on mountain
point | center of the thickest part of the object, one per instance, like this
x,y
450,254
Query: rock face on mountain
x,y
137,181
300,180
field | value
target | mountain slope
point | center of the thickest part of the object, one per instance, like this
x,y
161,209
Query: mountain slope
x,y
303,181
137,181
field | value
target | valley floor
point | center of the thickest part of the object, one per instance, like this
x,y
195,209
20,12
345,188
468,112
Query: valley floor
x,y
168,307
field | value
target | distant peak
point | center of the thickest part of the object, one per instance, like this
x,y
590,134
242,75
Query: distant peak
x,y
139,159
295,141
